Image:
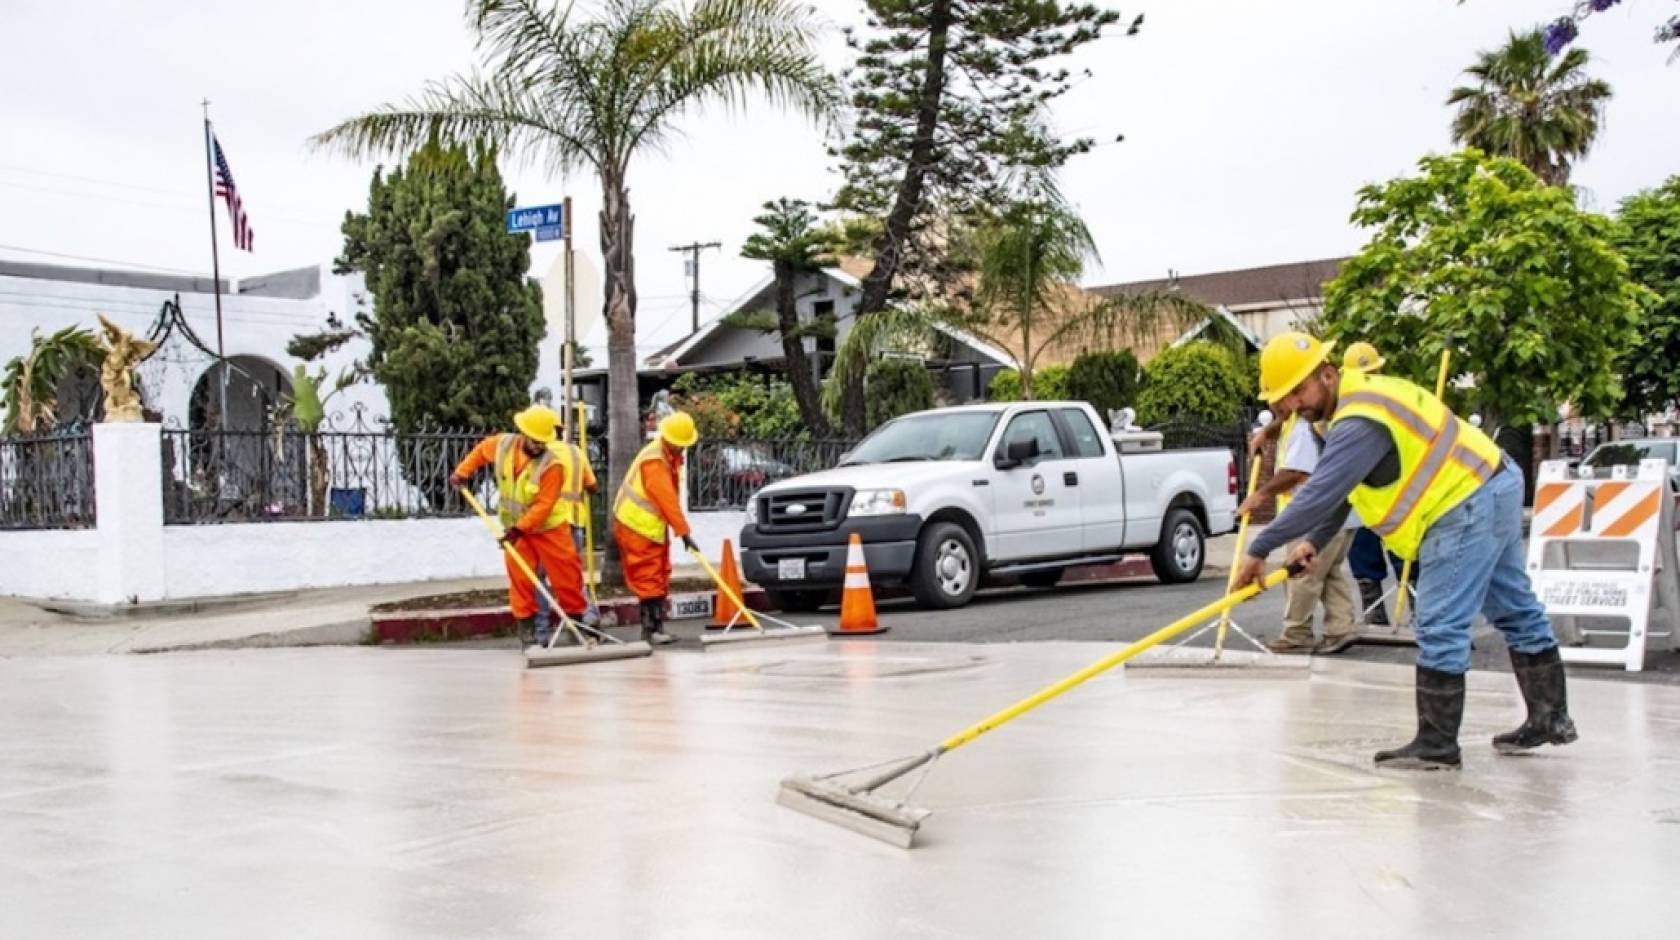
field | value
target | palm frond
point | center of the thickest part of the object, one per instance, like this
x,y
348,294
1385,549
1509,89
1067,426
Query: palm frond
x,y
465,111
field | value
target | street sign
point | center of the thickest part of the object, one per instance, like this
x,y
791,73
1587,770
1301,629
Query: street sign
x,y
549,233
537,218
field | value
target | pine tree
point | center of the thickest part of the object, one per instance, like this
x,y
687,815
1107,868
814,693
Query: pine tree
x,y
455,322
950,98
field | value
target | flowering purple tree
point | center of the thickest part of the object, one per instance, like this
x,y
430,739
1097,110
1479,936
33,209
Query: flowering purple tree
x,y
1563,30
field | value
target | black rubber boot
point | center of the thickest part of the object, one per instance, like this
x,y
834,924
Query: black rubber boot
x,y
1371,598
659,637
1440,706
1540,676
526,628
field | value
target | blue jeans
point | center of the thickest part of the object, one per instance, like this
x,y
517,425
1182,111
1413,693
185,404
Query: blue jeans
x,y
1368,560
1472,559
543,617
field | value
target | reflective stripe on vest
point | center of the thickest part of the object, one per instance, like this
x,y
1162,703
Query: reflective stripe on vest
x,y
571,461
632,508
514,495
1442,458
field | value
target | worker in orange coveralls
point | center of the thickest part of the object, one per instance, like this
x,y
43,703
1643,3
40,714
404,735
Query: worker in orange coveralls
x,y
535,498
647,506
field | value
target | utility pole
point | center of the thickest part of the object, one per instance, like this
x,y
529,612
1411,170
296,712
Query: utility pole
x,y
693,250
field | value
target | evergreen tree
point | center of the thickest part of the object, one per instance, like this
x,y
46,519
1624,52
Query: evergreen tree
x,y
949,97
795,245
455,322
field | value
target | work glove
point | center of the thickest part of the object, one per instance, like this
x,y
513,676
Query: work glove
x,y
457,481
512,535
688,542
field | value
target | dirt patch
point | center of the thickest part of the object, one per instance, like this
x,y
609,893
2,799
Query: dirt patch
x,y
466,600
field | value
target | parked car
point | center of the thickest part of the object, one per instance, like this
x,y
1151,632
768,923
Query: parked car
x,y
941,498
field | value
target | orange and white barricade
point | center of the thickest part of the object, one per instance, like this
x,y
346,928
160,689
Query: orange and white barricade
x,y
1603,550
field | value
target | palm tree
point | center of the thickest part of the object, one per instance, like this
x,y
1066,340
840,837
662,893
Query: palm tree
x,y
1542,112
33,382
571,93
795,245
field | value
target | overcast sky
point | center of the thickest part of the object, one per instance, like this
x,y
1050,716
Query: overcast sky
x,y
1248,128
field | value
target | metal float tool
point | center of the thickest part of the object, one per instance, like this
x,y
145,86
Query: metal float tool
x,y
592,645
1182,659
857,806
757,634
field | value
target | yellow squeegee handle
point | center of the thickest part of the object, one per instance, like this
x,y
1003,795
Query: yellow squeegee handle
x,y
1242,540
496,530
1406,567
1109,662
727,590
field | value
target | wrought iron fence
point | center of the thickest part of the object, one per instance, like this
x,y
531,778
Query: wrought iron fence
x,y
724,474
254,476
46,482
1183,434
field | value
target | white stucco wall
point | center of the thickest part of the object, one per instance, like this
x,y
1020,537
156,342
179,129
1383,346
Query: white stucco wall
x,y
49,564
208,560
709,530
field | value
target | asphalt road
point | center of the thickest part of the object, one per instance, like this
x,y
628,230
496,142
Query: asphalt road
x,y
1123,611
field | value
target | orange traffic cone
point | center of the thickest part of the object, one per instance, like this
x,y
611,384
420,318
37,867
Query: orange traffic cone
x,y
857,603
724,611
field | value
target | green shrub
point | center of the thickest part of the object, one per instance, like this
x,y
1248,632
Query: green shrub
x,y
1199,381
1107,380
894,387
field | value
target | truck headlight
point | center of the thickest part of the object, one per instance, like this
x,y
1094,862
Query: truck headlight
x,y
877,503
752,510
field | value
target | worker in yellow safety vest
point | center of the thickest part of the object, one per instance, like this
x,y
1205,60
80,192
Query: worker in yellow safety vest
x,y
535,494
1439,492
574,463
646,510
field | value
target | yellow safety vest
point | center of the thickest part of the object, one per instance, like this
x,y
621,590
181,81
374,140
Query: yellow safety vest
x,y
515,494
572,460
1443,459
632,508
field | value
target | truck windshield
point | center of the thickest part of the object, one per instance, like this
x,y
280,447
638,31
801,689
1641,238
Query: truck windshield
x,y
948,436
1616,455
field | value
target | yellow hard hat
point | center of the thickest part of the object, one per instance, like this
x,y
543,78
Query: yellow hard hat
x,y
1362,357
538,422
678,430
1286,362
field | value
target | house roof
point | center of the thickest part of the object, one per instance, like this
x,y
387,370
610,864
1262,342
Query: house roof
x,y
1300,280
850,272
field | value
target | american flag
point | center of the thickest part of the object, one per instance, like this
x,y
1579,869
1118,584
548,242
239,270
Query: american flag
x,y
243,236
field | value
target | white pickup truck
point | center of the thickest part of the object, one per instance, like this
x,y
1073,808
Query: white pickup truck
x,y
943,498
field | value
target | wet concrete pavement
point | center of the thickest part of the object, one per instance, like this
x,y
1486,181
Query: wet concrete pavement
x,y
448,793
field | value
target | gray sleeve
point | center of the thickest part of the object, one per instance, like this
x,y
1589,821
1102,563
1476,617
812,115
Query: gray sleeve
x,y
1320,505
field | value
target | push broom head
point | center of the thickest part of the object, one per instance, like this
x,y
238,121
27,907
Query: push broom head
x,y
877,817
1198,661
740,637
536,657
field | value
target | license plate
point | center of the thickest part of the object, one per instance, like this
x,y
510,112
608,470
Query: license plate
x,y
791,569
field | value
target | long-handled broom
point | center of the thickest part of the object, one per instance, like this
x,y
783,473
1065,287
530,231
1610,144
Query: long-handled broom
x,y
592,645
783,630
859,808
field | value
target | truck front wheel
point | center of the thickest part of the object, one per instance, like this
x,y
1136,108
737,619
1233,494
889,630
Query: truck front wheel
x,y
1178,556
947,569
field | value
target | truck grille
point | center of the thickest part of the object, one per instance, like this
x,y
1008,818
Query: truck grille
x,y
802,511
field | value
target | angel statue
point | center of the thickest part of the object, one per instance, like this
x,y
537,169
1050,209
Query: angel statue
x,y
122,353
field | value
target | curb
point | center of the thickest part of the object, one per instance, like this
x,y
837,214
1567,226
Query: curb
x,y
421,626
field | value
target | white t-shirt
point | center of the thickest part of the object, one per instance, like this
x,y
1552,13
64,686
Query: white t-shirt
x,y
1300,454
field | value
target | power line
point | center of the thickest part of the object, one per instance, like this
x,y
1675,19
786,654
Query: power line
x,y
693,249
132,264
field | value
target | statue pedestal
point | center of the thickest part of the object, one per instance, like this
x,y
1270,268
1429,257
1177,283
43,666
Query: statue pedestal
x,y
128,489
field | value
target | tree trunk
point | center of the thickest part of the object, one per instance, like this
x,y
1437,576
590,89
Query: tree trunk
x,y
800,373
907,201
624,424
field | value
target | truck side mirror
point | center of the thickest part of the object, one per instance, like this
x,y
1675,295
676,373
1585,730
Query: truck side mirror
x,y
1016,453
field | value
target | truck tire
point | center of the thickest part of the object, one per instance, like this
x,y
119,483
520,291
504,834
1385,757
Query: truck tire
x,y
1048,578
797,602
1179,555
947,568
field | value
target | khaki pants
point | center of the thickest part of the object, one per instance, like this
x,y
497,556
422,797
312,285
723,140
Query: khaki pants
x,y
1327,583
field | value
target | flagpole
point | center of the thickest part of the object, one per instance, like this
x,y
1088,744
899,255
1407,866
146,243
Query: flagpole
x,y
215,269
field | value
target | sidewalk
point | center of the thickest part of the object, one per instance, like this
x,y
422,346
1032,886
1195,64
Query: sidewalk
x,y
334,616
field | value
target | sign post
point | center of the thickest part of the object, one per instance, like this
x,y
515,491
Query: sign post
x,y
551,223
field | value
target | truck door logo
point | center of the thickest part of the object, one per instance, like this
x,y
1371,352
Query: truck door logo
x,y
1037,485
